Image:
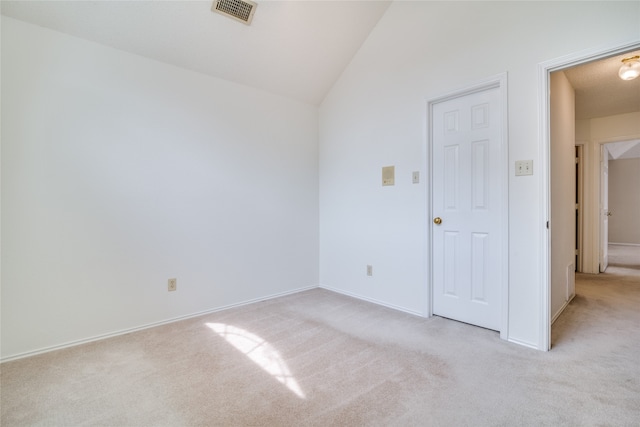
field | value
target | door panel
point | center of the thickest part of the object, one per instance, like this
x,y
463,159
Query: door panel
x,y
467,196
450,250
479,259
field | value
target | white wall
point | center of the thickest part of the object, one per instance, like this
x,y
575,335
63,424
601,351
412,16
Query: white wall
x,y
376,116
563,191
624,201
593,133
119,172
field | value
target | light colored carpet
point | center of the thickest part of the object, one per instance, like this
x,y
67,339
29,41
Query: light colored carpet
x,y
624,256
321,359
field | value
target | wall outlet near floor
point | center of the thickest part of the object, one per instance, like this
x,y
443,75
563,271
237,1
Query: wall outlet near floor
x,y
369,270
173,285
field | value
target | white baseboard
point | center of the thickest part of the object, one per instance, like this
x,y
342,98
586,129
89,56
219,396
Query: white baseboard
x,y
625,244
559,312
149,325
523,343
371,300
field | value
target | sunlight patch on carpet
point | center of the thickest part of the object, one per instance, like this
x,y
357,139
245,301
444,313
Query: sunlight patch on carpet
x,y
260,352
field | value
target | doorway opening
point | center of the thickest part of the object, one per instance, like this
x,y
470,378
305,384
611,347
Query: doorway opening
x,y
620,199
586,220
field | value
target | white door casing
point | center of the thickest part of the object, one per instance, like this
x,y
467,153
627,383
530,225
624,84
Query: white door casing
x,y
544,71
604,208
468,195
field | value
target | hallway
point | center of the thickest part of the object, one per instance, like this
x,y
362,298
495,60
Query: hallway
x,y
606,309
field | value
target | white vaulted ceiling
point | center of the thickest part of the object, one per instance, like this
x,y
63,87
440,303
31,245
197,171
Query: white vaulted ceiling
x,y
297,49
294,48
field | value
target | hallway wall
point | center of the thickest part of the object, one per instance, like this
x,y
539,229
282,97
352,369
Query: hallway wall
x,y
563,184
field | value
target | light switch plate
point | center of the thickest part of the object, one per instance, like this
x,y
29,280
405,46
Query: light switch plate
x,y
524,167
388,175
416,177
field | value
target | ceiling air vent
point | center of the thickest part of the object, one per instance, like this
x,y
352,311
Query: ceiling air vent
x,y
240,10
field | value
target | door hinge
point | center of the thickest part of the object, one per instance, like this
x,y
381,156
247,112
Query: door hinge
x,y
577,206
547,224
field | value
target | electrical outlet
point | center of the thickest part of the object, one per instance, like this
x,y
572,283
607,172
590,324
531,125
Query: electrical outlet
x,y
173,285
369,270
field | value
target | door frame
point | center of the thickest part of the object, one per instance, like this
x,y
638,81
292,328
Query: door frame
x,y
580,163
499,82
544,71
604,199
596,238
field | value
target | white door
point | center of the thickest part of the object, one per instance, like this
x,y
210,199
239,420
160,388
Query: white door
x,y
467,197
604,211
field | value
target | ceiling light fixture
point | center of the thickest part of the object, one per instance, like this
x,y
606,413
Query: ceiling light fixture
x,y
630,68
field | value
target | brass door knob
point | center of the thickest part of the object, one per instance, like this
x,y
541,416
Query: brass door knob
x,y
437,220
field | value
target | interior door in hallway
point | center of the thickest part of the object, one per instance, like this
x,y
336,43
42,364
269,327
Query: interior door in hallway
x,y
467,209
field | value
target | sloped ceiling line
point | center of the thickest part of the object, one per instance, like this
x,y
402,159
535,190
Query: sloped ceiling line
x,y
297,49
